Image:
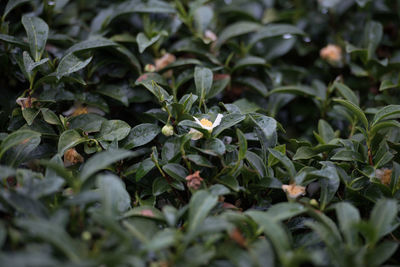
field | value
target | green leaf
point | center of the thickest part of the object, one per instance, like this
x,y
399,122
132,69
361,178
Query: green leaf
x,y
381,253
273,30
301,90
362,3
141,135
218,86
37,31
266,130
30,114
115,198
391,111
203,79
245,106
227,122
176,171
160,186
30,65
348,216
330,236
304,152
329,184
347,155
213,147
144,168
199,160
256,162
285,211
383,125
373,33
154,88
50,117
69,139
242,144
200,205
90,44
17,138
388,84
101,160
70,64
144,42
162,240
325,131
13,40
382,217
236,29
87,122
11,4
273,230
347,93
286,162
53,233
181,63
271,159
129,57
249,61
106,16
254,84
355,110
117,92
113,130
202,18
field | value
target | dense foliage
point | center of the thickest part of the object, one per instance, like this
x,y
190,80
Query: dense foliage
x,y
192,133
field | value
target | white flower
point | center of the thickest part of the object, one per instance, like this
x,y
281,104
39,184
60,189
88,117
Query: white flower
x,y
208,125
205,124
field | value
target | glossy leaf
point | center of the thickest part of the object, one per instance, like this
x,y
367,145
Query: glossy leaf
x,y
37,31
70,64
102,160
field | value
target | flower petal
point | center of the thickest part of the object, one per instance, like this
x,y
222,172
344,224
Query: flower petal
x,y
198,121
196,134
218,120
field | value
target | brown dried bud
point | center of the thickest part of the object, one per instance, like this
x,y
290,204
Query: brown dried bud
x,y
194,180
25,102
385,175
164,61
293,190
332,53
72,157
79,109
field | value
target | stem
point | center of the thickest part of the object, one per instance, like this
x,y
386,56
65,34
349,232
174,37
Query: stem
x,y
353,129
371,162
188,164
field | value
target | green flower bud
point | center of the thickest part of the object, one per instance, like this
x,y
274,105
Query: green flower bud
x,y
86,236
167,130
314,203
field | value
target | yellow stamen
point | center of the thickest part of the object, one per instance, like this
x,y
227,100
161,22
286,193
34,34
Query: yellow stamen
x,y
206,123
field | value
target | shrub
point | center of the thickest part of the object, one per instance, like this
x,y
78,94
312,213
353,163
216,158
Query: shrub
x,y
192,133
